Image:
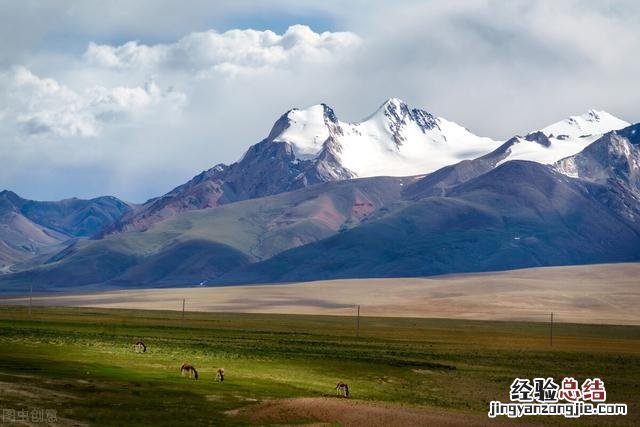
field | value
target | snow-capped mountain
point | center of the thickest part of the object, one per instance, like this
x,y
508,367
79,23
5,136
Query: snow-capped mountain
x,y
562,139
593,122
396,140
463,217
310,146
536,146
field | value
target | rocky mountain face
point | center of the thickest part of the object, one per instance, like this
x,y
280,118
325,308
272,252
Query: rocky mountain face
x,y
268,167
612,162
614,158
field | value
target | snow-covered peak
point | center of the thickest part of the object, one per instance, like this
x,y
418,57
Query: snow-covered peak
x,y
389,104
392,107
307,130
394,101
590,123
395,140
564,138
396,116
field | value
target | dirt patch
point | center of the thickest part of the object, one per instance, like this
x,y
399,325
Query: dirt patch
x,y
25,391
350,412
31,397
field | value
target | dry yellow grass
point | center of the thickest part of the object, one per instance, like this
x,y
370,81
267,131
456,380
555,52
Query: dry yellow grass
x,y
607,293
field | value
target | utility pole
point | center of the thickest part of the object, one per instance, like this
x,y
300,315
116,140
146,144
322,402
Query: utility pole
x,y
551,331
183,309
358,323
30,299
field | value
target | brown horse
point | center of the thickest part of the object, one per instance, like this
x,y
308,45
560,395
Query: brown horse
x,y
220,374
189,370
140,347
342,389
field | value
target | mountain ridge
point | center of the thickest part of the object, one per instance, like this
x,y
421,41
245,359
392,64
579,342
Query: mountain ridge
x,y
29,228
544,219
292,190
309,146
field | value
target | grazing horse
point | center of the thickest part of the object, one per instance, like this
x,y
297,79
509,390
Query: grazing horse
x,y
189,370
140,347
220,374
342,389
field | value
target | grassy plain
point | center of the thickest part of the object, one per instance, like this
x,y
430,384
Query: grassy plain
x,y
81,363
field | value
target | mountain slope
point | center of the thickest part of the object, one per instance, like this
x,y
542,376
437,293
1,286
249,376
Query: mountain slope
x,y
520,214
541,146
311,146
593,122
199,245
613,162
30,228
615,156
307,147
290,209
21,239
564,138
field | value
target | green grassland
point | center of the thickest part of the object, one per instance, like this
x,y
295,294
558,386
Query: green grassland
x,y
81,363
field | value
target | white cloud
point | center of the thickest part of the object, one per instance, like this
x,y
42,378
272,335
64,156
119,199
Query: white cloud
x,y
233,52
42,106
132,100
128,55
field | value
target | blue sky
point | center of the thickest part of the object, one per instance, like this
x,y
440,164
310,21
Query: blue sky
x,y
278,20
133,98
